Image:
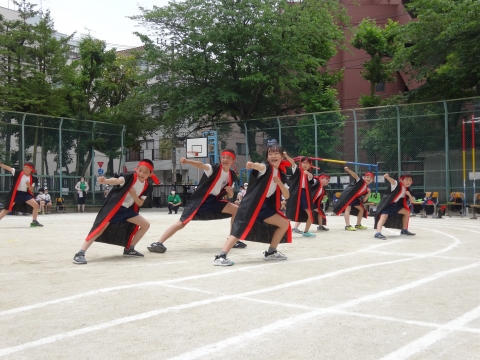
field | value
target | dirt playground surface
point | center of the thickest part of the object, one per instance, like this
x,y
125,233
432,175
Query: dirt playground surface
x,y
340,295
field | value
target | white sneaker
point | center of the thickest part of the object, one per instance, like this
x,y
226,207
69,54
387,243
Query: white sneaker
x,y
222,260
276,255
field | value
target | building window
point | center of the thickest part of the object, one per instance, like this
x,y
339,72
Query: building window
x,y
380,87
165,152
241,149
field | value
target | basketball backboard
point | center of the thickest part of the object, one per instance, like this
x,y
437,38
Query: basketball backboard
x,y
197,148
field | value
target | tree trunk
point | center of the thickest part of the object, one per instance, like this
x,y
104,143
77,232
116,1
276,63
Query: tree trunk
x,y
110,166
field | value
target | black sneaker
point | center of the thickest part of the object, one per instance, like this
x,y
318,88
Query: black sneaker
x,y
380,236
406,232
157,247
322,228
240,245
35,223
79,259
131,253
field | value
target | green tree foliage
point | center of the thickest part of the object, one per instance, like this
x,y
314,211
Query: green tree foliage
x,y
381,44
240,59
442,49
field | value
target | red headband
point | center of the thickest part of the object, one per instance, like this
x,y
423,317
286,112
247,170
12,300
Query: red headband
x,y
369,174
150,167
405,176
228,153
30,166
324,177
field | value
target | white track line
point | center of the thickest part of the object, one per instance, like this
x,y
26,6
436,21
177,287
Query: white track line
x,y
220,272
294,320
432,337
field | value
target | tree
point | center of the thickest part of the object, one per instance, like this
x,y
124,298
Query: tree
x,y
441,49
240,59
381,45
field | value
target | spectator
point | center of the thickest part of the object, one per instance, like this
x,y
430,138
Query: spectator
x,y
106,192
240,195
48,201
82,189
40,199
173,202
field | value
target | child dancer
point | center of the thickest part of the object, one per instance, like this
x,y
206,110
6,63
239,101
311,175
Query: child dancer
x,y
393,211
118,221
300,204
207,201
352,199
323,181
259,212
22,191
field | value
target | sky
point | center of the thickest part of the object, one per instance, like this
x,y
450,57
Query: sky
x,y
106,19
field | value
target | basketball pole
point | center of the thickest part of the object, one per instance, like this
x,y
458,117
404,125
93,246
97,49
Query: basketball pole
x,y
464,162
473,156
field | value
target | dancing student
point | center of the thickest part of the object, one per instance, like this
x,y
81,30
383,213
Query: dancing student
x,y
118,222
300,203
22,191
352,198
259,217
323,181
207,201
393,211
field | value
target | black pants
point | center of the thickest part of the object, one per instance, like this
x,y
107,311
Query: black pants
x,y
172,208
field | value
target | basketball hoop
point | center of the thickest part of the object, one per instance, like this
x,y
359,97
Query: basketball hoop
x,y
193,153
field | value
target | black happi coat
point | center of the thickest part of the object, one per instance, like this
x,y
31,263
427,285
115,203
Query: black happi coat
x,y
393,221
117,234
245,225
293,212
318,190
350,193
16,183
204,187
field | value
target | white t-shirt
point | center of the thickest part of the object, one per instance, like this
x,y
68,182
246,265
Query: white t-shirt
x,y
273,186
47,197
40,197
402,192
138,186
23,185
222,181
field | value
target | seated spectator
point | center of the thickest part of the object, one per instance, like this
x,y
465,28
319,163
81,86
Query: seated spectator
x,y
173,202
240,195
40,199
48,201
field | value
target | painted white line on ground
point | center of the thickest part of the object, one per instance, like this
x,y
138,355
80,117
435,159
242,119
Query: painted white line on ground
x,y
432,337
419,255
162,282
368,316
294,320
239,338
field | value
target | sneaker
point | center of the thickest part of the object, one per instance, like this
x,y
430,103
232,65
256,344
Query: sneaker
x,y
350,228
308,234
79,259
157,247
406,232
222,260
380,236
322,228
276,255
360,227
296,231
240,245
169,213
131,253
35,223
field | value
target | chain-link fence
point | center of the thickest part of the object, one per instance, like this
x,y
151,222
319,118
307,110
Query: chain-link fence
x,y
62,150
422,139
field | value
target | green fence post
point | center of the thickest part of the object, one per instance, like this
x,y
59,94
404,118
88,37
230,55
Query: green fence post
x,y
23,142
122,157
60,155
316,141
279,132
399,152
355,138
246,141
447,163
92,163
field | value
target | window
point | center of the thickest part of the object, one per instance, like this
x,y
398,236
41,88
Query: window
x,y
165,149
241,149
380,87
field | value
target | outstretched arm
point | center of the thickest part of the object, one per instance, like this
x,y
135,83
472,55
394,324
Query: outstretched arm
x,y
289,159
255,166
392,181
195,163
6,167
355,176
111,181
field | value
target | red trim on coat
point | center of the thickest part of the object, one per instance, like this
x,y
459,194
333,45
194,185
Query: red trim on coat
x,y
357,195
114,211
302,178
14,193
